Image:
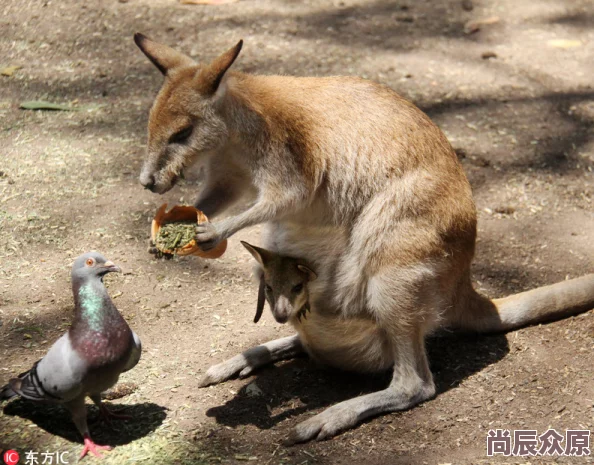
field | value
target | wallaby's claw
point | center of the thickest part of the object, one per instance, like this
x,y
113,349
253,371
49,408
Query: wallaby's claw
x,y
224,371
207,237
323,426
205,381
247,371
209,378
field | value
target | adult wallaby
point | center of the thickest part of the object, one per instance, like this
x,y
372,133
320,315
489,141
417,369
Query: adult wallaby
x,y
359,183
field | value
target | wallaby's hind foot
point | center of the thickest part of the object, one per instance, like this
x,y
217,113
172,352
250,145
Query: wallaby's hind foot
x,y
246,363
350,413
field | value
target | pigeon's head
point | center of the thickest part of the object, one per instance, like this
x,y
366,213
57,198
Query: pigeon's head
x,y
92,265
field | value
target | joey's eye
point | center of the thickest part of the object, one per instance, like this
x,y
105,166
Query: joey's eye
x,y
90,262
298,288
181,136
268,288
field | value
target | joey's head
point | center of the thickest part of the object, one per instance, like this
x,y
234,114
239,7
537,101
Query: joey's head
x,y
283,283
186,122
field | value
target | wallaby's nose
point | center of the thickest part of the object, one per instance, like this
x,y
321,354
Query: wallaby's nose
x,y
148,181
282,310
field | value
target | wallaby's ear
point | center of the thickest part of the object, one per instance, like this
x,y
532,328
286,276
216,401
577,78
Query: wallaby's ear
x,y
211,75
262,256
311,275
162,56
261,300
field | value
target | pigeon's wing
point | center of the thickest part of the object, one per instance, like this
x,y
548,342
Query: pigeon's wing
x,y
7,393
56,377
134,353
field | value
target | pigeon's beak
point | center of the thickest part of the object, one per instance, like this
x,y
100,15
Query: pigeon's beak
x,y
110,266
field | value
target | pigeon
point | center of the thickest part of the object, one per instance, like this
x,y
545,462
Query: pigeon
x,y
89,358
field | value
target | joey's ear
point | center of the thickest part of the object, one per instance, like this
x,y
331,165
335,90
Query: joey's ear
x,y
211,75
261,299
311,275
262,256
162,56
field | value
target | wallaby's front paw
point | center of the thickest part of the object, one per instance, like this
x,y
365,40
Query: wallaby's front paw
x,y
212,376
207,237
247,371
223,371
329,423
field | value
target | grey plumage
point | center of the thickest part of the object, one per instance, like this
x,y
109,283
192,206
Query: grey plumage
x,y
90,357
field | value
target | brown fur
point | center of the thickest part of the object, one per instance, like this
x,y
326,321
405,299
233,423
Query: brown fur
x,y
356,181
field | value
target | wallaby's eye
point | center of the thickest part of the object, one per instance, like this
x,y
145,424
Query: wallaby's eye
x,y
90,262
182,136
298,288
268,288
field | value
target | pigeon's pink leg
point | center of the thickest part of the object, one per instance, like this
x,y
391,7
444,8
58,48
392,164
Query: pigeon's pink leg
x,y
91,447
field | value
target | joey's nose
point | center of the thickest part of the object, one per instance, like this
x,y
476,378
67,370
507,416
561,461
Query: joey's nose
x,y
148,181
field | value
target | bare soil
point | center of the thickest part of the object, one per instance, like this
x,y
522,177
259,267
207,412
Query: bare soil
x,y
521,122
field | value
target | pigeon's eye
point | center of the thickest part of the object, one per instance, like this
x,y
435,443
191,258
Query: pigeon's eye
x,y
298,288
90,262
180,137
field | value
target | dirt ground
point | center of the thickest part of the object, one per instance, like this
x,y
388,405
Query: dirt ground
x,y
521,122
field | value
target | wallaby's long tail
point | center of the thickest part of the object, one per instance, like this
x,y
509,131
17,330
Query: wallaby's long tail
x,y
546,303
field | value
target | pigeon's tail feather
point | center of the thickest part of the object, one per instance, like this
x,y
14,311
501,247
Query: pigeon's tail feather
x,y
28,386
7,393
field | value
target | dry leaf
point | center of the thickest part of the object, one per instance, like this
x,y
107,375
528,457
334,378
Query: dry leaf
x,y
206,2
41,105
9,70
564,43
475,26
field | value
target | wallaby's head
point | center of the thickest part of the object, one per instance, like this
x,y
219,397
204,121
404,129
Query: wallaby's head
x,y
283,283
185,122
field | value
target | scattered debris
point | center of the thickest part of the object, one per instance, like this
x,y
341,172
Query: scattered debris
x,y
461,153
120,390
564,43
467,5
476,25
507,210
487,55
206,2
252,390
9,70
48,106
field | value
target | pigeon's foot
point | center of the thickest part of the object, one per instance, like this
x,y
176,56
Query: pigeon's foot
x,y
107,415
93,448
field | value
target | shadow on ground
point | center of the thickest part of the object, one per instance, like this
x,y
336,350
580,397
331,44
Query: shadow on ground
x,y
55,419
298,387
